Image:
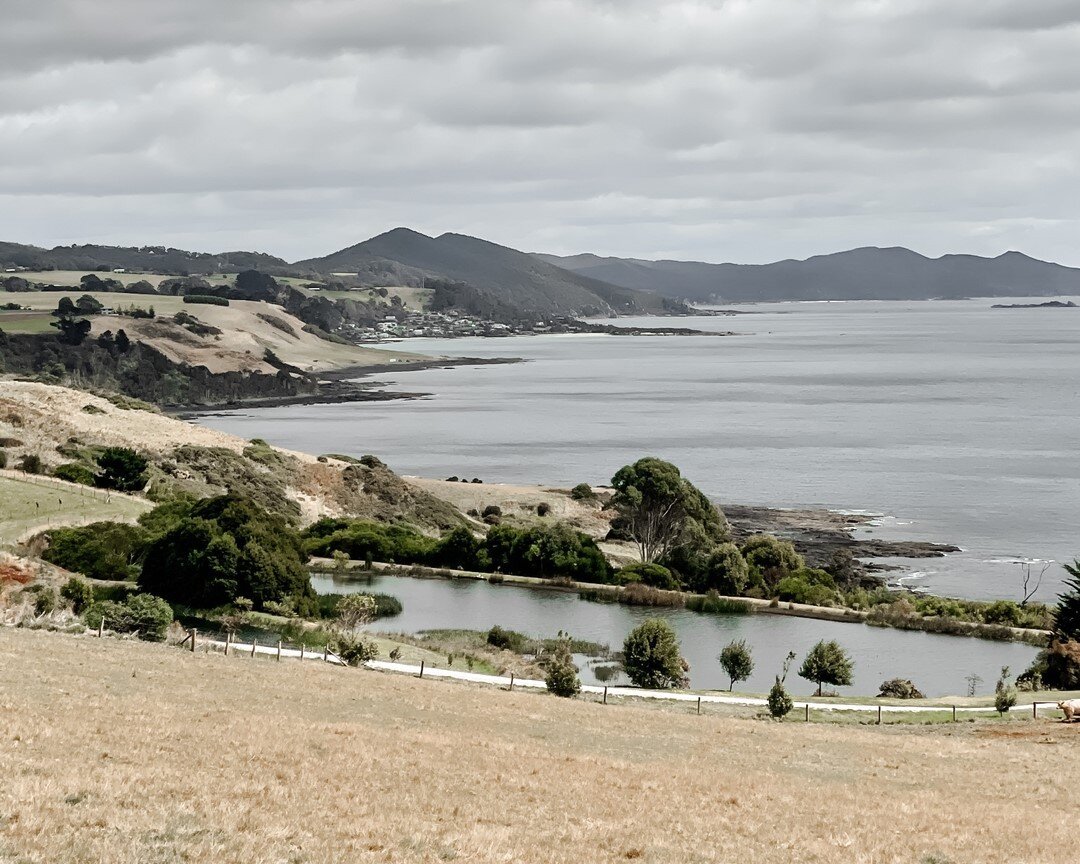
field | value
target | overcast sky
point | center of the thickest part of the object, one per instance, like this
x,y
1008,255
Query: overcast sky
x,y
720,131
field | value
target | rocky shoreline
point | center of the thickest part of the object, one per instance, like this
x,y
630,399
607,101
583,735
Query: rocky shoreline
x,y
820,534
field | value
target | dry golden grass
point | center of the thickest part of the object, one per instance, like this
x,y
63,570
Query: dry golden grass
x,y
124,752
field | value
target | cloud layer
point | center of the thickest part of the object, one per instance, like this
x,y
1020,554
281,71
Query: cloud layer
x,y
747,130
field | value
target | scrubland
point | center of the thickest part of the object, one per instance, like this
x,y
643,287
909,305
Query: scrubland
x,y
126,752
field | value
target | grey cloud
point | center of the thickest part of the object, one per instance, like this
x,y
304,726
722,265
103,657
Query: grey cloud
x,y
713,130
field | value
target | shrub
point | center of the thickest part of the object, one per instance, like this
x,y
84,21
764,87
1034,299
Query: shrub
x,y
769,560
562,675
543,508
355,649
636,594
206,299
651,656
229,547
73,472
3,459
779,701
145,614
737,661
30,463
899,688
1004,612
506,640
1004,692
492,510
102,550
652,575
122,469
79,593
354,610
713,604
583,492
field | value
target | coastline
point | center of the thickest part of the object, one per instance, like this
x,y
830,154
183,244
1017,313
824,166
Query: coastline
x,y
346,384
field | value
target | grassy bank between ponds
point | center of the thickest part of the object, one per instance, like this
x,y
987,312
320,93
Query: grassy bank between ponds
x,y
639,595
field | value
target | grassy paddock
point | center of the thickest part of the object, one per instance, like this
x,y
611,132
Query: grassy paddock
x,y
125,752
37,502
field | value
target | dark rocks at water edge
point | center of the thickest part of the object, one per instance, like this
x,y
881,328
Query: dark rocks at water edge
x,y
819,535
1051,304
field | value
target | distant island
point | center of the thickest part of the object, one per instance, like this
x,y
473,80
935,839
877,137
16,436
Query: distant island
x,y
1050,304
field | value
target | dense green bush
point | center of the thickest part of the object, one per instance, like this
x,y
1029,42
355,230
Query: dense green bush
x,y
73,472
386,606
206,299
779,701
121,468
652,575
145,614
355,648
30,463
769,560
547,551
713,604
103,550
810,586
651,656
395,544
229,547
507,640
562,675
583,492
1005,694
79,593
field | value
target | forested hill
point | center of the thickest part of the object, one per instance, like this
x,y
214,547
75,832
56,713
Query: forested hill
x,y
503,276
150,259
870,273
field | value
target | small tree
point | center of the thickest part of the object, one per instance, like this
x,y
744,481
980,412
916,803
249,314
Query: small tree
x,y
1004,692
651,656
562,678
341,560
354,610
779,702
737,661
122,469
827,663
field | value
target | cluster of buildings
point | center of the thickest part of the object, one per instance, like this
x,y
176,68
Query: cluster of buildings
x,y
443,325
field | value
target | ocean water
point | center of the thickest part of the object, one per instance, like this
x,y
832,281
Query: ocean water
x,y
953,421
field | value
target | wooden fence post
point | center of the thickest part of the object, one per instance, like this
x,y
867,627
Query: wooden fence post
x,y
953,713
101,626
253,644
511,682
278,650
807,712
1034,710
421,668
301,650
878,715
699,706
326,653
605,694
194,633
228,640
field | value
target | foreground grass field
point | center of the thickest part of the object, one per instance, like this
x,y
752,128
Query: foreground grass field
x,y
126,752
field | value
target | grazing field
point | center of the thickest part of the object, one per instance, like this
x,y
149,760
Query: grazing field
x,y
14,321
40,503
248,328
127,752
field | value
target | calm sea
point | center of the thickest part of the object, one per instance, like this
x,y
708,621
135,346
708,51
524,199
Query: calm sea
x,y
953,421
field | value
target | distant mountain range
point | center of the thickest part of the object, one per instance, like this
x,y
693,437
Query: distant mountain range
x,y
523,281
504,283
869,273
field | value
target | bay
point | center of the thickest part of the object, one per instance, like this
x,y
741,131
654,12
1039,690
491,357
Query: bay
x,y
955,422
